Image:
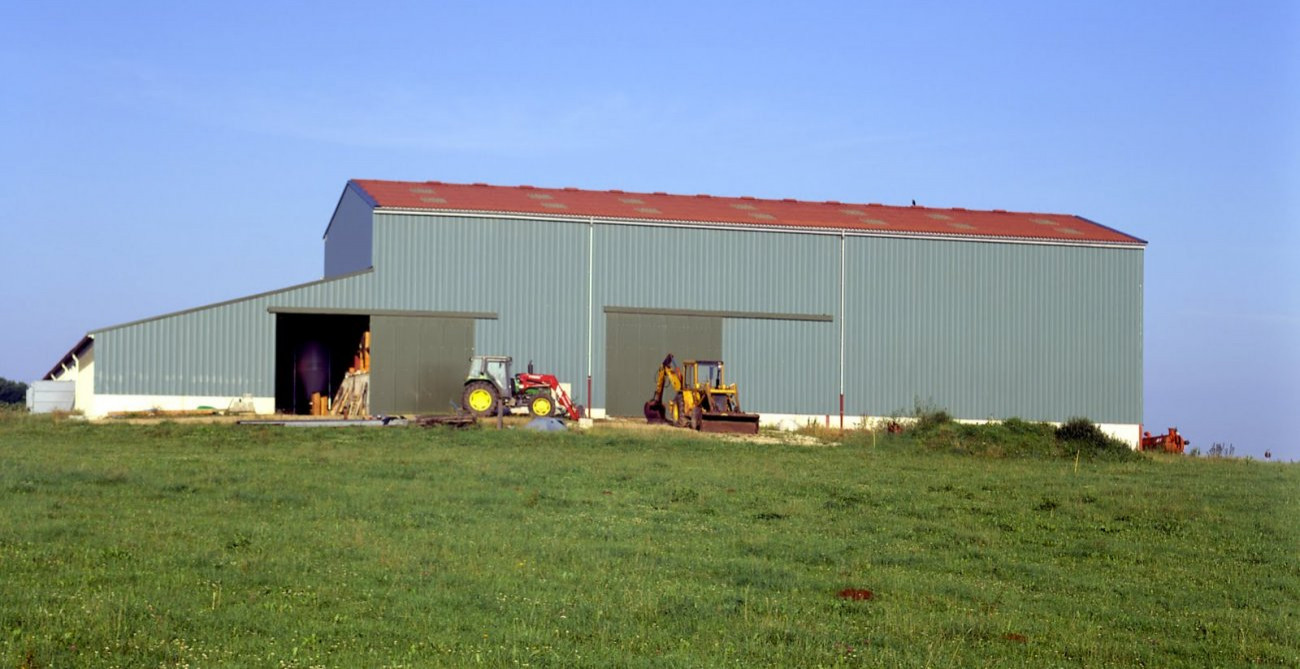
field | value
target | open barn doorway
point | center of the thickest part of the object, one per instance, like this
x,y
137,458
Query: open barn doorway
x,y
312,355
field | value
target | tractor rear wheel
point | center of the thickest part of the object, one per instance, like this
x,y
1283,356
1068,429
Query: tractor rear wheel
x,y
542,406
480,398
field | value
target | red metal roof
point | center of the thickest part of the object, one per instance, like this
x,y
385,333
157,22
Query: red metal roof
x,y
747,211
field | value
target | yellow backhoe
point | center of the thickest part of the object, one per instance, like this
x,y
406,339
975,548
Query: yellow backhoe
x,y
703,401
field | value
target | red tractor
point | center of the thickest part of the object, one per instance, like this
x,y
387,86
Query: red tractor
x,y
490,386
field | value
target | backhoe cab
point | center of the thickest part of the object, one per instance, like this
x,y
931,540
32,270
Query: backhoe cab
x,y
702,399
489,387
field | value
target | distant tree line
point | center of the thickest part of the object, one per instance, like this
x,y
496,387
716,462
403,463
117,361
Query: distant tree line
x,y
12,392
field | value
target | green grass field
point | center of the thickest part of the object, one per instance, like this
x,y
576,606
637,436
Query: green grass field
x,y
175,545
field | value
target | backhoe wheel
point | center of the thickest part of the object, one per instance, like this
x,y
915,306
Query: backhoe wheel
x,y
679,412
542,406
480,398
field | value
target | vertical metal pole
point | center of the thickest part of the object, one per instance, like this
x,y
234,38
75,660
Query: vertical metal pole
x,y
591,270
842,329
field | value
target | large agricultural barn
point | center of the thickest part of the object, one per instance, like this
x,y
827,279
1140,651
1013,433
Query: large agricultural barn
x,y
820,309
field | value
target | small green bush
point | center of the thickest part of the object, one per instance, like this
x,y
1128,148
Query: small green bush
x,y
1017,426
930,419
936,431
1082,436
1081,430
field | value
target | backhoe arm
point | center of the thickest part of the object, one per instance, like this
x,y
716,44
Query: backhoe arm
x,y
666,374
654,409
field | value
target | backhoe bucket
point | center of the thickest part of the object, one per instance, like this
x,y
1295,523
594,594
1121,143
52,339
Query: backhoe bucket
x,y
729,423
655,412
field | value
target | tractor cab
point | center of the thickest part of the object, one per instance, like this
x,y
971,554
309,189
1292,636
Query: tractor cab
x,y
492,368
704,373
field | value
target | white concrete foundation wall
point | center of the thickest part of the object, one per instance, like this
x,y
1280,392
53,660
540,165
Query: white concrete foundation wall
x,y
1127,433
85,382
791,421
103,405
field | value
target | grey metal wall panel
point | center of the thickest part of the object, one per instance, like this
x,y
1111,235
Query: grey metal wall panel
x,y
419,363
348,238
783,366
532,274
636,345
51,396
722,270
994,330
224,349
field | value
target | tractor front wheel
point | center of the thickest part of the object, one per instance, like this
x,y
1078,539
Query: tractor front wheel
x,y
480,398
542,406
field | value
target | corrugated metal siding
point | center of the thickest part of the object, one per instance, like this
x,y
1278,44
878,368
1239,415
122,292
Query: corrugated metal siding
x,y
682,268
994,330
225,349
348,238
980,329
784,366
532,274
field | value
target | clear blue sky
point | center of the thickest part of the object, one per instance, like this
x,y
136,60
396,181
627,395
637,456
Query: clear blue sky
x,y
160,156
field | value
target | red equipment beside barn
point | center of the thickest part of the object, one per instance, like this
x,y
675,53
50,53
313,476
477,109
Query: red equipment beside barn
x,y
1166,443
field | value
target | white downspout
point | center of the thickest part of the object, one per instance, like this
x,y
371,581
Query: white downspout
x,y
842,239
591,263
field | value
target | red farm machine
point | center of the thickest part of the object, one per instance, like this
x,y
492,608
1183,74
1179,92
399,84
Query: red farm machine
x,y
489,387
1171,442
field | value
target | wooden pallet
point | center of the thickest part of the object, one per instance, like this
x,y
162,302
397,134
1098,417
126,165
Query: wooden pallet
x,y
353,397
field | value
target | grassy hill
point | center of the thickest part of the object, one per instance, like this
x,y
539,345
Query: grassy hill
x,y
175,545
